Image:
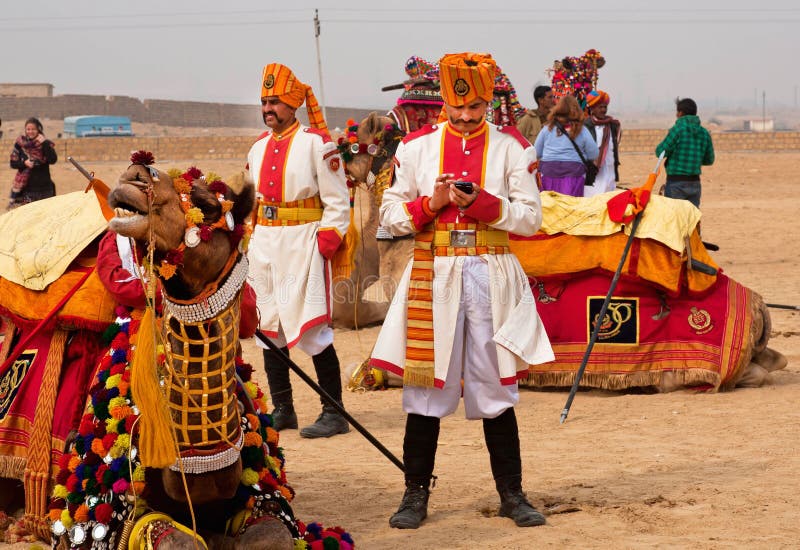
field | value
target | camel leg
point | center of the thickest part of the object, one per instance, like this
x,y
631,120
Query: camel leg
x,y
754,376
770,359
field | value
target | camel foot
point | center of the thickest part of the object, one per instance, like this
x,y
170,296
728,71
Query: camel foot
x,y
754,376
267,532
770,359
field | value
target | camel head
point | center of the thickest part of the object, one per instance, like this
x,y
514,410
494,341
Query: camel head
x,y
368,147
194,224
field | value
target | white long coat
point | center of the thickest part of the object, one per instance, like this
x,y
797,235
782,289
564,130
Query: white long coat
x,y
288,273
506,173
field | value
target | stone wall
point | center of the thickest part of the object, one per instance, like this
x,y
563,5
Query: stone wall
x,y
236,147
645,141
157,111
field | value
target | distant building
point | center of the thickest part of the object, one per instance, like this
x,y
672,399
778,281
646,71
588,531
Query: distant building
x,y
12,89
759,125
97,126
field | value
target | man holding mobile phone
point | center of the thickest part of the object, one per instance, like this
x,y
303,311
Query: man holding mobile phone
x,y
463,309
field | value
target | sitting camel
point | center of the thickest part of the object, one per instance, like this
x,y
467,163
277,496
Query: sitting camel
x,y
229,480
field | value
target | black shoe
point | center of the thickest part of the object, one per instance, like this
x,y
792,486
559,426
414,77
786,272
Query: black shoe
x,y
328,423
413,508
284,417
514,505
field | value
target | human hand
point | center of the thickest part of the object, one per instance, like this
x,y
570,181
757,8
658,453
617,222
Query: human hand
x,y
40,139
461,199
29,163
441,192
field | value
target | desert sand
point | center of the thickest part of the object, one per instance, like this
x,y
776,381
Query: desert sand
x,y
678,470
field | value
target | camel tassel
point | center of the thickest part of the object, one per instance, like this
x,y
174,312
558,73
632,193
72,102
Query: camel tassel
x,y
156,439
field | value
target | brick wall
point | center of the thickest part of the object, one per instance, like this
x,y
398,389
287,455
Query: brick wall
x,y
236,147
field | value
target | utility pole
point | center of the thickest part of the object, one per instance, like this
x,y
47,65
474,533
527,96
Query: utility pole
x,y
319,64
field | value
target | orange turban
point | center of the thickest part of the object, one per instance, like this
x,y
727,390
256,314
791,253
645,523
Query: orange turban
x,y
279,81
466,77
596,97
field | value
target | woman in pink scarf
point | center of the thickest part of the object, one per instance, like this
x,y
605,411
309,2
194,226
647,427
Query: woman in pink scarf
x,y
31,157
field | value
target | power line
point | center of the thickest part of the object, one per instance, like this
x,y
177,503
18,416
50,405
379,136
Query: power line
x,y
682,11
532,22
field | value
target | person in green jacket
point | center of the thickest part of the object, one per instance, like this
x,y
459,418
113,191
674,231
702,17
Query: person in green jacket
x,y
686,147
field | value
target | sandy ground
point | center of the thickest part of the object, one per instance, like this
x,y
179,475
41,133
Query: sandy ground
x,y
679,470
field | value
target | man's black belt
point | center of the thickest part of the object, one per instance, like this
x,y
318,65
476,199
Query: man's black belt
x,y
683,177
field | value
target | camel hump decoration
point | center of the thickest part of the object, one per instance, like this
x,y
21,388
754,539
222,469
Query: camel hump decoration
x,y
576,75
420,102
222,476
677,321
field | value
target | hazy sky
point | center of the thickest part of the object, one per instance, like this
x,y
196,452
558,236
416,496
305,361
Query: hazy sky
x,y
723,53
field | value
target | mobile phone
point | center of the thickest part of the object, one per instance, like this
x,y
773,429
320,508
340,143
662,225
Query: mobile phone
x,y
464,186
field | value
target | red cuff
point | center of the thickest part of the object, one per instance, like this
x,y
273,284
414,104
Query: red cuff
x,y
328,241
420,212
486,208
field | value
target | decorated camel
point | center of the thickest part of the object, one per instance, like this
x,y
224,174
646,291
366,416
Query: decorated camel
x,y
676,320
175,440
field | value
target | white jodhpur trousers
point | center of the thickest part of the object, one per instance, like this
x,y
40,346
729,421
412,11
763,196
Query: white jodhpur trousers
x,y
473,359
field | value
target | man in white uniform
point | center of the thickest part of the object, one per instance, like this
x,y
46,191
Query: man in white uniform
x,y
606,132
302,216
463,309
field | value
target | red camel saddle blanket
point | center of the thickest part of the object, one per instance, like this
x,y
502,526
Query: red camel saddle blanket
x,y
704,341
22,388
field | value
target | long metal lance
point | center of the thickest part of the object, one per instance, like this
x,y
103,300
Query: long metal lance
x,y
329,400
604,309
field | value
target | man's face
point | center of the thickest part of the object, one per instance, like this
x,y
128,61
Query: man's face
x,y
467,118
599,110
276,114
546,102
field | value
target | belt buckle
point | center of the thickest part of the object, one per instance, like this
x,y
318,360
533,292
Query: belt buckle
x,y
269,212
462,237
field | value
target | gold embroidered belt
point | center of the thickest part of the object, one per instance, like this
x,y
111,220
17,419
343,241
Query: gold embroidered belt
x,y
479,240
289,213
439,239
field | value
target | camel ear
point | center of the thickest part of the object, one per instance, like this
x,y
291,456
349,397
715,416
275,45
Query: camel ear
x,y
244,202
373,123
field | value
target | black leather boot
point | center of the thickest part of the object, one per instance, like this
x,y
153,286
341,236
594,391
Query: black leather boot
x,y
413,508
514,505
419,455
280,389
329,422
502,440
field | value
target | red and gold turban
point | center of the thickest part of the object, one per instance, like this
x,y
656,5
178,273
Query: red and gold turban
x,y
597,97
279,81
466,77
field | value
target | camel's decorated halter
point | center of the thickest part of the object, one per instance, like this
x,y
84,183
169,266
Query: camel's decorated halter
x,y
380,150
209,434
